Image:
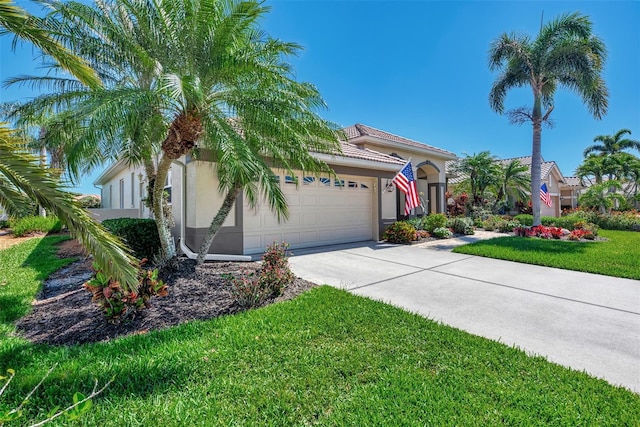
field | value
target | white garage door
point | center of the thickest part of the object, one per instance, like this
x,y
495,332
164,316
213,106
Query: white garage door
x,y
322,211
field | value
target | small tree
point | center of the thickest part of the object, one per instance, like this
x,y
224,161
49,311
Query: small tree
x,y
480,172
599,197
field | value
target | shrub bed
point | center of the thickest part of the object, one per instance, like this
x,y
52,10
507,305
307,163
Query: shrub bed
x,y
461,225
433,221
400,232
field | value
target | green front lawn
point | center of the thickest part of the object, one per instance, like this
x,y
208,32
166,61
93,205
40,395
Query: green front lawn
x,y
325,358
23,267
619,256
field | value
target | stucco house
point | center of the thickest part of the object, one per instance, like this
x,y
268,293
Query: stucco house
x,y
564,191
357,206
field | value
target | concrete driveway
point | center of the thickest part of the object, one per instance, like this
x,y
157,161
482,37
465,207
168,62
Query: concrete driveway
x,y
584,321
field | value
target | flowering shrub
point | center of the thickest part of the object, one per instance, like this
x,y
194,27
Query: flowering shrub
x,y
119,303
252,289
442,233
275,274
400,232
247,290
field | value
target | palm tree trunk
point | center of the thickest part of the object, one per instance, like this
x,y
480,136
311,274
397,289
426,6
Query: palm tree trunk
x,y
536,159
217,222
168,250
43,163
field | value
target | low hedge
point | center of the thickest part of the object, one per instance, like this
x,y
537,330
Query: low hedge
x,y
35,224
629,221
141,235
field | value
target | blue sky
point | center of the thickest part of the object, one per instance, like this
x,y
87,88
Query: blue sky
x,y
419,69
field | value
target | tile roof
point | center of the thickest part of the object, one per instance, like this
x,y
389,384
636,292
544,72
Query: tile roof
x,y
545,168
353,151
359,130
573,181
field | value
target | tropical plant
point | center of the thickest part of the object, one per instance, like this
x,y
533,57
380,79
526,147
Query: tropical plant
x,y
612,144
593,168
121,303
600,197
461,225
480,172
400,232
30,28
435,220
565,53
219,83
513,183
442,233
22,179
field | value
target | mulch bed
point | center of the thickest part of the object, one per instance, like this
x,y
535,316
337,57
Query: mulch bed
x,y
63,313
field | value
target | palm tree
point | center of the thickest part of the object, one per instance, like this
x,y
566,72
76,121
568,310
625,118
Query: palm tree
x,y
593,168
612,144
22,179
30,28
481,172
514,181
565,53
219,83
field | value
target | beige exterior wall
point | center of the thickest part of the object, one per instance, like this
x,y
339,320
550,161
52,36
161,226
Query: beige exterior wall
x,y
122,191
553,182
203,197
429,194
122,195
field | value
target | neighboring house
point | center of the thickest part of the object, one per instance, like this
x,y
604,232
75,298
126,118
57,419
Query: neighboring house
x,y
563,193
357,206
570,192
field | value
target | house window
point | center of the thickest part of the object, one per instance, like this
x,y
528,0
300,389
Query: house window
x,y
308,180
352,184
121,189
141,192
325,181
133,190
290,179
167,187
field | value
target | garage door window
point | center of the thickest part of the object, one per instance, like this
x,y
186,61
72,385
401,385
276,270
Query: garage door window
x,y
290,179
308,180
325,181
339,183
352,184
364,186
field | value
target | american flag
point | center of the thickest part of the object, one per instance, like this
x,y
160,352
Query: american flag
x,y
406,183
544,195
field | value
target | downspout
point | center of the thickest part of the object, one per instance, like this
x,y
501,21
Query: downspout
x,y
183,218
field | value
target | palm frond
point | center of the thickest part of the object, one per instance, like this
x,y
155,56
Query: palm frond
x,y
23,173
